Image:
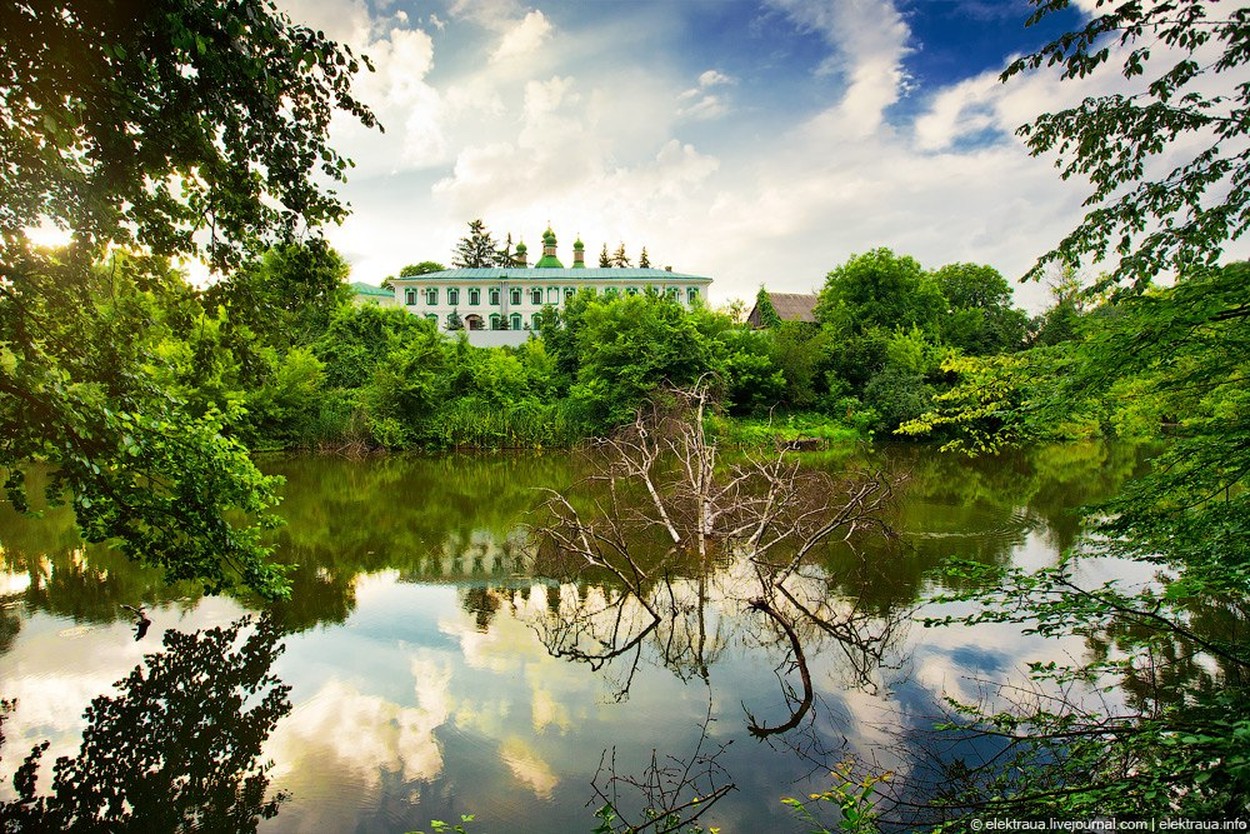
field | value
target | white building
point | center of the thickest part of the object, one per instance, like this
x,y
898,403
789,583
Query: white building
x,y
501,305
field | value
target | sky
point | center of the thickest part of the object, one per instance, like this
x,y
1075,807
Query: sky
x,y
757,143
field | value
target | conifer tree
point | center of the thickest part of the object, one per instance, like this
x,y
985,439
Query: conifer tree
x,y
619,259
478,249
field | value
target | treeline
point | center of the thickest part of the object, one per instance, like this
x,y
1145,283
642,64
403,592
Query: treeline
x,y
281,354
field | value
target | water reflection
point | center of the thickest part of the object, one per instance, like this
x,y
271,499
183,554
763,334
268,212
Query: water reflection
x,y
176,749
439,665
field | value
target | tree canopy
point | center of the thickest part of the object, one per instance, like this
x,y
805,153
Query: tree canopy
x,y
1187,109
179,129
478,249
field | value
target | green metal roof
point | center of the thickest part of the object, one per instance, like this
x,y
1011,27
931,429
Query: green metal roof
x,y
538,275
361,288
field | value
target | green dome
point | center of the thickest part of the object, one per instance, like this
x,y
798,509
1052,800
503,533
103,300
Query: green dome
x,y
520,247
578,245
549,237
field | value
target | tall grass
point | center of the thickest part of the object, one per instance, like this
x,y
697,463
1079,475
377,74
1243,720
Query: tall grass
x,y
469,422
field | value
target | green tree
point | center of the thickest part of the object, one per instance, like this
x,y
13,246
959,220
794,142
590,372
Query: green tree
x,y
620,260
644,260
767,312
177,748
423,268
978,317
1183,62
287,296
358,339
1150,358
878,289
406,388
143,124
478,249
627,348
605,260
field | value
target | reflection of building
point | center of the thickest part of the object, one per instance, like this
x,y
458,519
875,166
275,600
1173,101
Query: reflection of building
x,y
507,300
789,306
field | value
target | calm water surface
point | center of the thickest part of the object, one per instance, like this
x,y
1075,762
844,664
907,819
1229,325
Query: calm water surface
x,y
434,672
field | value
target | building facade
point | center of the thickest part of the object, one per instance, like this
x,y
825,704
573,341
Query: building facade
x,y
368,294
509,300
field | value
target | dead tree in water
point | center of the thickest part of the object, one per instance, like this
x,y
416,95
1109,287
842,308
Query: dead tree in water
x,y
662,510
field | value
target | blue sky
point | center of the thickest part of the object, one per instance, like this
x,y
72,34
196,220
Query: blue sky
x,y
753,142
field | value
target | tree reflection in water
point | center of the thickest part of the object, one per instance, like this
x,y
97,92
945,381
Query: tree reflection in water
x,y
177,749
681,550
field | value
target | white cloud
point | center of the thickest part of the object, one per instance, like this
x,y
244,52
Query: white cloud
x,y
869,40
607,136
497,15
715,78
526,37
703,104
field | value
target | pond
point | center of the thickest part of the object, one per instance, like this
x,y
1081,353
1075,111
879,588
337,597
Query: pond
x,y
435,669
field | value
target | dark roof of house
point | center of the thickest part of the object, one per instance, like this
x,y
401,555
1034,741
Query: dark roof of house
x,y
790,306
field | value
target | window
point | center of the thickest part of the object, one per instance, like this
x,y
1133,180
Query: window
x,y
631,290
515,320
536,295
495,320
494,298
611,292
431,295
430,317
692,293
569,292
536,321
410,296
553,295
514,296
475,297
453,296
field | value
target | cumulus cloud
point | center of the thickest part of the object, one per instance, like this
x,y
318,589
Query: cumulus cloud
x,y
524,38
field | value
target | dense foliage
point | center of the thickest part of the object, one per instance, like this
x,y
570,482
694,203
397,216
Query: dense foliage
x,y
331,374
1166,154
1161,353
144,125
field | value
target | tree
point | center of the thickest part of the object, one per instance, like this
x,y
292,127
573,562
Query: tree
x,y
1149,358
147,125
1185,61
605,260
144,123
478,249
619,259
767,312
629,347
878,289
423,268
644,261
177,748
978,317
288,294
